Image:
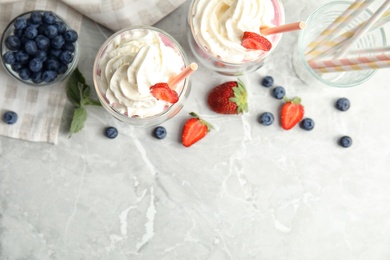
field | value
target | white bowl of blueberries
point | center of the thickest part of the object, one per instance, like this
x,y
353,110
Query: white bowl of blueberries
x,y
39,48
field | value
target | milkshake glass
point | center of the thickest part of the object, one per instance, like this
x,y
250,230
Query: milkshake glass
x,y
216,28
128,64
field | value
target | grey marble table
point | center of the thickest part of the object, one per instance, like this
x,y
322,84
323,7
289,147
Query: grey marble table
x,y
244,192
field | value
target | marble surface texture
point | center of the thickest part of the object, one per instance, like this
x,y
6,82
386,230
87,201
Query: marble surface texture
x,y
244,192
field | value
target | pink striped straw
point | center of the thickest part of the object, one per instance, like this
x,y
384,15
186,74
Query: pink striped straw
x,y
182,75
348,61
339,23
353,67
283,28
364,29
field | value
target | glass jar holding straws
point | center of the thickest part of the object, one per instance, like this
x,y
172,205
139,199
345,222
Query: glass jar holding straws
x,y
343,44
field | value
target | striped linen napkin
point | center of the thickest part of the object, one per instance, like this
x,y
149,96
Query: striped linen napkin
x,y
40,109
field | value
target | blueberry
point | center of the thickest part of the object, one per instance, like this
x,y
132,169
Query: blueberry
x,y
10,117
111,132
66,57
41,54
160,132
63,68
41,29
61,27
30,47
30,32
13,43
42,42
307,124
18,32
57,42
279,92
51,31
36,17
9,57
345,141
22,57
71,36
20,23
52,64
36,77
16,67
69,47
267,81
35,65
55,54
49,76
343,104
24,73
266,118
49,17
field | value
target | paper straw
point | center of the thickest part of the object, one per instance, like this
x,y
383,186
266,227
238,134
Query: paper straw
x,y
331,46
375,50
338,24
364,29
183,74
361,66
283,28
349,61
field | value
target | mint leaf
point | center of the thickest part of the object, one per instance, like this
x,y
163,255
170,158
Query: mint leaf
x,y
78,94
79,117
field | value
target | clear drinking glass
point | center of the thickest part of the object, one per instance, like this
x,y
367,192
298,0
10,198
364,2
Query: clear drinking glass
x,y
274,13
183,88
318,21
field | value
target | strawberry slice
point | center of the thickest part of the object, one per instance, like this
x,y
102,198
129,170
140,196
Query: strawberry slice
x,y
254,41
194,129
292,113
162,91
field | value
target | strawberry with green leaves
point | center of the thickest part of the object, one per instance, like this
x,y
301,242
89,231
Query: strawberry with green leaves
x,y
254,41
228,98
292,113
194,129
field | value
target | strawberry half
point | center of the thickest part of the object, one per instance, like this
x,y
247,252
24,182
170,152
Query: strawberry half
x,y
162,91
228,98
254,41
194,129
292,113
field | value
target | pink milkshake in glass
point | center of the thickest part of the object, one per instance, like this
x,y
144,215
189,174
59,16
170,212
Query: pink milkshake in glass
x,y
216,29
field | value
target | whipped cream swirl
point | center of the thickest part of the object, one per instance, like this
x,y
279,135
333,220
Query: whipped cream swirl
x,y
220,24
133,62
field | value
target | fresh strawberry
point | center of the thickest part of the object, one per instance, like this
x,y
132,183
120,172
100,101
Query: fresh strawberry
x,y
194,129
162,91
254,41
292,113
228,98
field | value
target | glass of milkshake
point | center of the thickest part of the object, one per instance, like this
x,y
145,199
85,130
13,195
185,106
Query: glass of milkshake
x,y
131,65
216,29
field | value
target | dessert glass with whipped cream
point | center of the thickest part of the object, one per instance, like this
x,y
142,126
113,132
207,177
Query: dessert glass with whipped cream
x,y
128,64
217,28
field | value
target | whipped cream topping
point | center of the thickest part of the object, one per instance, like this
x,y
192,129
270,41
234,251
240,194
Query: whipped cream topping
x,y
133,62
220,24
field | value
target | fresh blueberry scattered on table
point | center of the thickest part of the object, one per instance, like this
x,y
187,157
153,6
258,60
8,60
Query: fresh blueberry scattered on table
x,y
343,104
266,118
267,81
41,47
160,132
278,92
307,124
345,141
10,117
111,132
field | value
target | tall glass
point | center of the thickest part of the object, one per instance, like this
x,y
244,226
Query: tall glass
x,y
318,21
273,14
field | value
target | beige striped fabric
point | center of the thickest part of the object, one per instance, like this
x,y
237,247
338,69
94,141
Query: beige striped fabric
x,y
40,109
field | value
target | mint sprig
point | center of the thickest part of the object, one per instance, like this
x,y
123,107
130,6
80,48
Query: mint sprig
x,y
78,92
